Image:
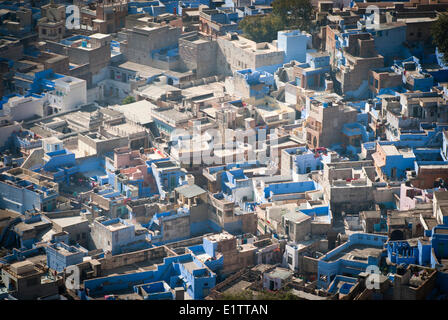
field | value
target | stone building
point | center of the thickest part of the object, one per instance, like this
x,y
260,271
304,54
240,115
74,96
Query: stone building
x,y
325,120
88,56
198,53
28,281
52,24
237,53
144,42
352,56
348,185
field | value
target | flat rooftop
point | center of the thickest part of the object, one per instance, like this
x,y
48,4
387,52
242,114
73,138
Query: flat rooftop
x,y
357,252
191,266
174,114
141,69
296,216
390,150
280,273
69,221
252,46
142,266
190,191
116,226
165,164
219,237
238,287
138,112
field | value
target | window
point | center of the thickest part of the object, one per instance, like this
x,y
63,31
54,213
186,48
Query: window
x,y
290,259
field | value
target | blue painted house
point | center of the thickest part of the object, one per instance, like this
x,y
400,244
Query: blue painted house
x,y
351,258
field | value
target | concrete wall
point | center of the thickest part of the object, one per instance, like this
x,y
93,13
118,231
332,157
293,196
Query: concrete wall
x,y
24,108
152,254
59,262
294,44
231,57
298,231
199,55
6,131
178,228
18,199
140,43
69,94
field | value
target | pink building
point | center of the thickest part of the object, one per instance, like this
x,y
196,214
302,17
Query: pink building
x,y
410,197
133,168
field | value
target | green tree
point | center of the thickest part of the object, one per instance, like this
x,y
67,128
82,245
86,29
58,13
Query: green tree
x,y
261,28
128,99
295,13
439,34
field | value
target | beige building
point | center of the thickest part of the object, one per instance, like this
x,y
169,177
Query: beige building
x,y
325,120
28,281
237,53
52,24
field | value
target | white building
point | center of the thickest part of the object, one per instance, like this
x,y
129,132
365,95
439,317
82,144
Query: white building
x,y
294,43
277,278
69,93
52,144
23,108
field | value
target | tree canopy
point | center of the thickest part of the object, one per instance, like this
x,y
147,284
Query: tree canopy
x,y
286,14
295,13
262,29
439,33
128,99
